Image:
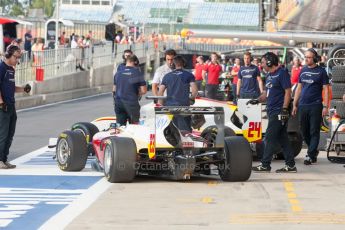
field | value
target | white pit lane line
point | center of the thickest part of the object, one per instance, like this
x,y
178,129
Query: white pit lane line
x,y
64,197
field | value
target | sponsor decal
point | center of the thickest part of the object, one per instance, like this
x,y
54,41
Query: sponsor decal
x,y
187,144
254,132
152,148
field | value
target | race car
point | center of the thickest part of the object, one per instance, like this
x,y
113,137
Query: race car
x,y
246,120
158,146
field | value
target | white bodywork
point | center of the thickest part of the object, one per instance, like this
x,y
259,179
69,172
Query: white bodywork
x,y
149,133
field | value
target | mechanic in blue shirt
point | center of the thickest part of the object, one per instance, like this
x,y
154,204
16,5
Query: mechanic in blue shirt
x,y
129,86
125,54
308,100
8,115
179,85
249,84
278,98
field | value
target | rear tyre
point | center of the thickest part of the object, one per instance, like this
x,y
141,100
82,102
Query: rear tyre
x,y
237,165
120,159
210,134
71,151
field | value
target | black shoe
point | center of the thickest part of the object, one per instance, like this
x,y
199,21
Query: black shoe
x,y
81,68
287,169
261,168
310,161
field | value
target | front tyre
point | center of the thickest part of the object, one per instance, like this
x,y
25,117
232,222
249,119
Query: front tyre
x,y
237,165
120,159
71,151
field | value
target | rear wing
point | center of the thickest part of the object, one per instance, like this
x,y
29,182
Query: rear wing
x,y
188,110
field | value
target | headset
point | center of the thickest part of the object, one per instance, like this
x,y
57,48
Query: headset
x,y
316,57
271,59
10,50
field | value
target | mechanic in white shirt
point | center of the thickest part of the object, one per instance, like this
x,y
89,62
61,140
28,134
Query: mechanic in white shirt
x,y
163,70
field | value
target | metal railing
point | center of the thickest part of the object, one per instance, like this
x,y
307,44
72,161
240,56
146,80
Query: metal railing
x,y
54,63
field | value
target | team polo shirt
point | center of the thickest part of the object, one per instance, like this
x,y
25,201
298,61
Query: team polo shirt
x,y
7,83
160,73
121,67
276,84
312,80
128,82
248,76
235,68
198,71
295,71
213,71
177,84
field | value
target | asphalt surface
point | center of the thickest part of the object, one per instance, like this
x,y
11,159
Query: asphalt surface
x,y
312,198
36,125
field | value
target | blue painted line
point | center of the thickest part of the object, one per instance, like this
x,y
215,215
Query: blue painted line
x,y
41,209
47,182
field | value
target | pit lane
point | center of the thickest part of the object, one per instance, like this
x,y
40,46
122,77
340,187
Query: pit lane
x,y
313,197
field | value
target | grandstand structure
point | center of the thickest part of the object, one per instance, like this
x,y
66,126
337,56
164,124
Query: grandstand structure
x,y
170,16
162,16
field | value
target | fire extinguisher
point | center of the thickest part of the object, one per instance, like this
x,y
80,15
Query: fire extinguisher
x,y
335,119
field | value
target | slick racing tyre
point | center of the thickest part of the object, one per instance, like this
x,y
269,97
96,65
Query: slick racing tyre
x,y
210,134
71,151
237,165
338,74
88,130
120,159
336,51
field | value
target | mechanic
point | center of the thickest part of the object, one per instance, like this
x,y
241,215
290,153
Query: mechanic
x,y
234,74
278,98
8,115
249,84
163,70
308,101
178,84
129,86
295,70
125,54
199,66
213,70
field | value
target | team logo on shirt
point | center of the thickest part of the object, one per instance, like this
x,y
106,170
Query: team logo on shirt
x,y
269,85
247,71
308,81
309,74
127,73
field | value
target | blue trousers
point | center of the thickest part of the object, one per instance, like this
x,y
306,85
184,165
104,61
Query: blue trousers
x,y
276,133
8,121
310,117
